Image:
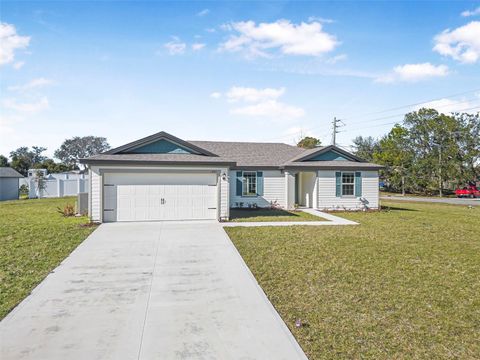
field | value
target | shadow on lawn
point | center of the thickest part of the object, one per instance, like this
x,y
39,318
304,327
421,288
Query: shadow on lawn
x,y
394,208
253,213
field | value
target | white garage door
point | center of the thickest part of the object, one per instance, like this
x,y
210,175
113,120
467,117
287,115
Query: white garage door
x,y
160,196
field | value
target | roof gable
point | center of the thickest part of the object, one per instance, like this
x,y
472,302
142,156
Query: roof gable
x,y
328,153
161,146
160,143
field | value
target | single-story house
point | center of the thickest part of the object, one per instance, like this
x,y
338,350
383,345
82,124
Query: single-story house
x,y
9,183
162,177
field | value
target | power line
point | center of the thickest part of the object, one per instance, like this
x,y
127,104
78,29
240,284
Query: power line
x,y
386,117
301,132
403,114
396,122
414,104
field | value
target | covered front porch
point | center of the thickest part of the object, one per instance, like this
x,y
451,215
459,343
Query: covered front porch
x,y
301,188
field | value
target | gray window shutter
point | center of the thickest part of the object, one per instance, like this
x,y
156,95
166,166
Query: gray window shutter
x,y
358,184
260,183
338,184
239,183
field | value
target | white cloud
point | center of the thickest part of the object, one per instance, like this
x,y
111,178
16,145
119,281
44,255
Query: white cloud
x,y
10,41
453,105
247,94
468,13
260,103
320,19
13,104
203,12
35,83
7,122
414,72
307,39
334,59
270,108
462,43
175,47
18,65
198,46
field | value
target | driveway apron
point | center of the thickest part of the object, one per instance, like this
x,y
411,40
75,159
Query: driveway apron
x,y
164,290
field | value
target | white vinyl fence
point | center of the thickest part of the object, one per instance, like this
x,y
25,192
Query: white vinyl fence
x,y
57,188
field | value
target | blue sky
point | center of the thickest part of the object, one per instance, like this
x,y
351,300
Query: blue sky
x,y
251,71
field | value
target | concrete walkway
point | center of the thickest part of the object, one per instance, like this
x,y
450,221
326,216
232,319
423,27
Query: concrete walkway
x,y
149,291
329,220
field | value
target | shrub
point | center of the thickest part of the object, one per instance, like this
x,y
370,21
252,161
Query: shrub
x,y
68,210
24,189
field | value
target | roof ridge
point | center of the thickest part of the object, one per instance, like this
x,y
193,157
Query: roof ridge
x,y
242,142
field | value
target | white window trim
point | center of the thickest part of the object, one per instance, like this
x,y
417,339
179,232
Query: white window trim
x,y
342,183
256,184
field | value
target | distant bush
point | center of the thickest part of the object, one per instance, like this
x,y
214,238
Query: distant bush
x,y
24,190
68,210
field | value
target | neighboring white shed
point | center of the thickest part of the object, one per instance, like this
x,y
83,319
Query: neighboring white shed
x,y
9,183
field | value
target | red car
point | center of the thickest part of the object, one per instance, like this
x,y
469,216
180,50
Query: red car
x,y
470,191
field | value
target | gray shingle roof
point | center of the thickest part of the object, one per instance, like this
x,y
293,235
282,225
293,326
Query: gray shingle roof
x,y
233,154
250,153
8,172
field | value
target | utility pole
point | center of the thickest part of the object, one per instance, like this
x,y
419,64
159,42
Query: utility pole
x,y
335,123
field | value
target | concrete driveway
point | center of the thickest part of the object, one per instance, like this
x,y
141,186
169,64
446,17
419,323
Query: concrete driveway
x,y
149,291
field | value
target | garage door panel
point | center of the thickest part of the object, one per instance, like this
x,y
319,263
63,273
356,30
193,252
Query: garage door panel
x,y
149,197
161,178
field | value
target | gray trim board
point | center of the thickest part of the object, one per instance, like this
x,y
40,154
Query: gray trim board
x,y
160,171
333,167
255,168
143,163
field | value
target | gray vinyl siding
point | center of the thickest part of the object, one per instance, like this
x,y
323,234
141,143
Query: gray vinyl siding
x,y
8,189
328,200
224,194
95,195
273,189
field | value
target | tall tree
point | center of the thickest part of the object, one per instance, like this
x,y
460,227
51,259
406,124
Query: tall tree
x,y
431,150
309,142
365,147
394,151
52,166
80,147
435,138
23,158
37,156
4,161
468,139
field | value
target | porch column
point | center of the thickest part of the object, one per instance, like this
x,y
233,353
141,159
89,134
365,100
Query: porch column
x,y
224,196
315,192
289,190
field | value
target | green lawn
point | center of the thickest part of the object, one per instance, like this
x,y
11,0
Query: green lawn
x,y
405,284
34,239
257,215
